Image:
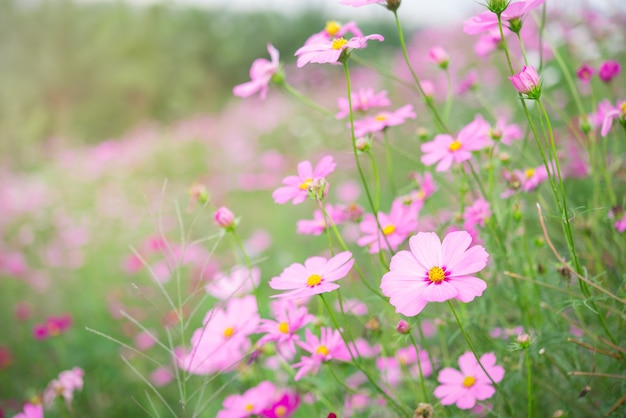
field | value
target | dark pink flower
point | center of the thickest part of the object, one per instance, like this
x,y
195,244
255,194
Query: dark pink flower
x,y
608,70
224,218
527,82
584,73
471,384
261,74
283,407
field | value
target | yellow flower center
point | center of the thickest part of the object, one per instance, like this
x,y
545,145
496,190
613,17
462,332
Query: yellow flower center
x,y
529,173
455,146
436,275
314,280
228,332
421,194
283,327
389,229
305,185
380,118
402,360
332,27
280,411
623,109
323,350
249,407
338,43
469,381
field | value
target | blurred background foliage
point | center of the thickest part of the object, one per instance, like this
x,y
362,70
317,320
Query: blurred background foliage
x,y
82,73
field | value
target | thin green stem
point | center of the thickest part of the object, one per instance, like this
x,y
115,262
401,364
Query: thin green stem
x,y
419,365
529,387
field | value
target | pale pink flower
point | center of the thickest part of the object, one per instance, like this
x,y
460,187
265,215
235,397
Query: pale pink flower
x,y
332,30
238,282
618,112
329,347
31,411
392,368
261,74
318,224
222,341
504,133
362,101
144,340
476,214
352,306
438,55
161,376
330,51
434,272
65,385
524,180
224,218
505,333
488,20
297,187
382,120
251,403
394,228
445,149
471,384
316,276
288,319
527,82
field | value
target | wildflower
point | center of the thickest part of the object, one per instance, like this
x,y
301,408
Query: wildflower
x,y
329,346
362,101
331,51
224,218
31,411
319,224
288,320
334,30
438,55
608,71
504,133
251,403
239,281
527,82
394,228
584,73
65,385
316,276
476,214
284,407
619,113
382,120
513,14
53,326
444,149
434,272
471,384
261,74
296,188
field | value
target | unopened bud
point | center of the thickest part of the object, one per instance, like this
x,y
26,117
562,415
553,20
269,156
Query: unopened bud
x,y
363,144
224,218
424,410
403,327
523,340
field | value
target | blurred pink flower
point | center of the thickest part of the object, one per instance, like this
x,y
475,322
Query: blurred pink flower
x,y
316,276
488,20
251,403
318,224
238,282
476,214
296,188
445,149
382,120
352,306
504,133
31,411
394,228
434,272
332,30
618,112
620,224
362,101
524,180
65,385
608,70
288,320
161,376
329,347
438,55
330,51
144,340
585,72
471,384
224,218
261,74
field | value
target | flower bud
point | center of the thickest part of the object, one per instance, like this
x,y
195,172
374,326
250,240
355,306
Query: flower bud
x,y
403,327
523,340
608,71
527,82
224,218
439,56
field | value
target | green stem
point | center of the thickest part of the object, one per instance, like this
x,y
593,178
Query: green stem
x,y
419,365
529,387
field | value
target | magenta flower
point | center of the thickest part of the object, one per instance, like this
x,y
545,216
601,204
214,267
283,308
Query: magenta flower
x,y
329,347
620,224
584,73
251,403
444,149
527,82
434,272
618,112
288,320
396,227
330,51
608,71
316,276
297,187
224,218
318,224
261,74
488,20
283,407
471,384
362,101
31,411
383,120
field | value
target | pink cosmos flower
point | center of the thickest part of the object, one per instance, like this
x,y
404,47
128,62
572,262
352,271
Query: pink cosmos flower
x,y
296,188
261,74
333,30
222,341
488,20
527,82
316,276
444,149
352,306
318,224
392,368
31,411
618,112
362,101
471,384
584,73
224,218
330,51
144,340
620,224
608,71
524,180
434,272
284,407
65,385
504,133
251,403
239,282
395,228
329,347
288,320
476,214
383,120
438,55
